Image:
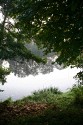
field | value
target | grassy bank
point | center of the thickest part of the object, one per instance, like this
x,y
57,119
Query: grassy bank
x,y
45,107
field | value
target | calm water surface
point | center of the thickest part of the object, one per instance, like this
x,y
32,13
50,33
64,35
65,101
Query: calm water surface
x,y
17,88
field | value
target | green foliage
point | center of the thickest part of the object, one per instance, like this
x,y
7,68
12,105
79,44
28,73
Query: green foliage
x,y
78,94
51,117
48,90
58,25
79,76
55,25
3,72
43,96
49,96
63,111
7,102
12,40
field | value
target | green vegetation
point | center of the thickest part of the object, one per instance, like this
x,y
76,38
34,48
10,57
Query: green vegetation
x,y
54,25
78,94
3,73
45,107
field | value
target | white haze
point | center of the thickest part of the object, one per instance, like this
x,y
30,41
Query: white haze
x,y
17,88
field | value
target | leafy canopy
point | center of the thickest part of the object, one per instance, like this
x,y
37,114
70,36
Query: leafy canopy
x,y
12,40
56,25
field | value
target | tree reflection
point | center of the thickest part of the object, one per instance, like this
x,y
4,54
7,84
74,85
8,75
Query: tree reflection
x,y
32,68
22,68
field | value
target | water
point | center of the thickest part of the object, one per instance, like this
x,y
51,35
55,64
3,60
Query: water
x,y
17,88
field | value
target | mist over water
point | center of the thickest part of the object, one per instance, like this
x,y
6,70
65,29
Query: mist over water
x,y
34,77
17,87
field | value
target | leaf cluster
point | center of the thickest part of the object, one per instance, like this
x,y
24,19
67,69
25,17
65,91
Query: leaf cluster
x,y
55,25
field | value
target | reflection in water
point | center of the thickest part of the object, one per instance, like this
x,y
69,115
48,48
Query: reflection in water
x,y
27,77
32,68
17,87
22,68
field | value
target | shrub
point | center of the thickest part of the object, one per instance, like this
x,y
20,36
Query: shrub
x,y
78,94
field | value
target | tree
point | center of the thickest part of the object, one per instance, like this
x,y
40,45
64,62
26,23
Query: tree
x,y
12,43
56,25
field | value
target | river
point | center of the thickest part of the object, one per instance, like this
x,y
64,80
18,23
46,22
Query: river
x,y
17,87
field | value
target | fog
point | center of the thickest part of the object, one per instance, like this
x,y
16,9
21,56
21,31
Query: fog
x,y
17,87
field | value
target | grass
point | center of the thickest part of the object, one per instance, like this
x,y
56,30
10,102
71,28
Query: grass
x,y
45,107
49,96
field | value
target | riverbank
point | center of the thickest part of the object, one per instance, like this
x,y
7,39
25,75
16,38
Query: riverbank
x,y
45,107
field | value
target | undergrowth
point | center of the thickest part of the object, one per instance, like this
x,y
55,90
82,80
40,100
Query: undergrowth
x,y
64,108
